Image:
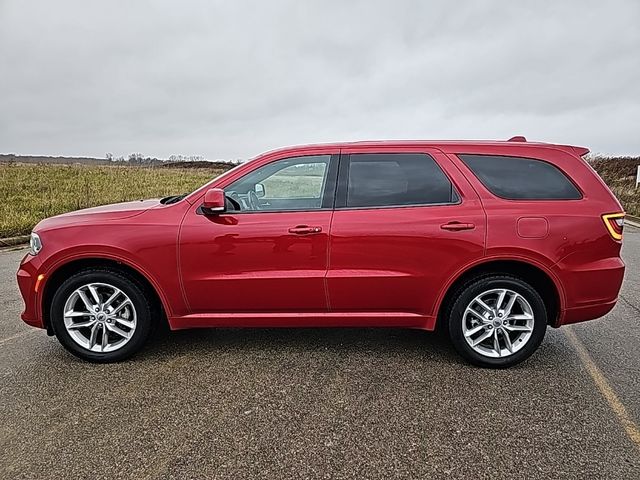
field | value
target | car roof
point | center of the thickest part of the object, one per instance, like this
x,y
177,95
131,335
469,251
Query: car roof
x,y
518,141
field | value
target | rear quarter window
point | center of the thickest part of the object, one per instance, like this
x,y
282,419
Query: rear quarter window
x,y
519,178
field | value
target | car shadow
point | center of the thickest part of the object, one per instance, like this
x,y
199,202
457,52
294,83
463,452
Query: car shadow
x,y
381,342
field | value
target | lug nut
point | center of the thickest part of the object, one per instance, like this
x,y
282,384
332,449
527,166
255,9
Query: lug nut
x,y
504,323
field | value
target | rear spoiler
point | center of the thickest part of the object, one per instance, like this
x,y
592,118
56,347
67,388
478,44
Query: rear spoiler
x,y
579,151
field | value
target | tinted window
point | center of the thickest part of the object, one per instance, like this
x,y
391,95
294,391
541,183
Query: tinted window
x,y
386,179
518,178
289,184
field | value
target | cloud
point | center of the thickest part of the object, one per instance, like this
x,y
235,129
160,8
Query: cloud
x,y
231,79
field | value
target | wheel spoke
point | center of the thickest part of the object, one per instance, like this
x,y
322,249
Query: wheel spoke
x,y
111,299
94,294
75,326
474,330
496,343
507,340
500,300
510,303
94,336
125,322
485,307
482,337
72,314
87,303
118,330
105,339
522,316
476,314
518,328
121,306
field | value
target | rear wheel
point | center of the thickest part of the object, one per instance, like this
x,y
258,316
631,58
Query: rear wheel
x,y
497,321
101,315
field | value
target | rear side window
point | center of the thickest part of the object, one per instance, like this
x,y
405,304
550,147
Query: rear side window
x,y
396,179
518,178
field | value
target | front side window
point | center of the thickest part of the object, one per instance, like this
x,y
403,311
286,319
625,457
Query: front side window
x,y
396,179
518,178
296,183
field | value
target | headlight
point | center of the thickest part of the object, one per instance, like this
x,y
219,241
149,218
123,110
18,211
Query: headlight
x,y
35,244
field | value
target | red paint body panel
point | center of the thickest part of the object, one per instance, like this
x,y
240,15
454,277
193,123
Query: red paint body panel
x,y
389,266
249,262
395,259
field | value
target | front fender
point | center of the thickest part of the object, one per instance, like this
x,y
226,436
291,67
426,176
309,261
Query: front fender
x,y
148,246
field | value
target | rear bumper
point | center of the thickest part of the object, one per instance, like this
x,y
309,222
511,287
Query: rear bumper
x,y
27,276
591,290
582,314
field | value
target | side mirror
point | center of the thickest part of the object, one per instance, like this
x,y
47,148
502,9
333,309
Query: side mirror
x,y
214,201
260,192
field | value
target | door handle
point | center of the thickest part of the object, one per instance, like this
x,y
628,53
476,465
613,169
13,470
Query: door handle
x,y
305,230
457,226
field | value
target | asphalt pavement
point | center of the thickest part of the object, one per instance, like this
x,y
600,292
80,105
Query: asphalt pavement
x,y
322,403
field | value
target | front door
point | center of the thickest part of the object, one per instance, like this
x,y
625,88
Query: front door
x,y
401,228
268,252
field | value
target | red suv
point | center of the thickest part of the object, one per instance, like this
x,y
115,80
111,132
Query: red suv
x,y
492,241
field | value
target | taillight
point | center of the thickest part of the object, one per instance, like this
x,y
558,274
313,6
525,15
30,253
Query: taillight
x,y
614,223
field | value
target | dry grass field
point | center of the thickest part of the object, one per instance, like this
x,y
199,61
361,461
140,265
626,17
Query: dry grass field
x,y
31,192
620,174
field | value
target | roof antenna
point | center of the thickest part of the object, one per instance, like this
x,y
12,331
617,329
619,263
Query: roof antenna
x,y
517,138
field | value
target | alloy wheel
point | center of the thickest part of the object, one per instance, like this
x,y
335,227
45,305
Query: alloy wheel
x,y
100,317
498,322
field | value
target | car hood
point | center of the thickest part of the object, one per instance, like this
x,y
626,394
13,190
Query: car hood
x,y
116,211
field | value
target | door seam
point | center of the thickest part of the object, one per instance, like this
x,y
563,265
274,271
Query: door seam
x,y
326,272
329,237
183,290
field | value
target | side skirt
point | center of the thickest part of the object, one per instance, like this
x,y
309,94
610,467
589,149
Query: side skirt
x,y
304,319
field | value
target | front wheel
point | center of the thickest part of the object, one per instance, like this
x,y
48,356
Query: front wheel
x,y
101,315
497,321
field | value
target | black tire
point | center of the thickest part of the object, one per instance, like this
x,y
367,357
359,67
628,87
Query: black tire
x,y
463,297
130,287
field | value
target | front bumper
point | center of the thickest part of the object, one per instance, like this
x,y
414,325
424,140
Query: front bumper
x,y
27,277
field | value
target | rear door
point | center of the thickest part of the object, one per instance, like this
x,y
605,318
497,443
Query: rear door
x,y
406,220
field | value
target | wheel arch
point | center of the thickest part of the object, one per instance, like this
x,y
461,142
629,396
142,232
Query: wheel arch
x,y
533,273
63,270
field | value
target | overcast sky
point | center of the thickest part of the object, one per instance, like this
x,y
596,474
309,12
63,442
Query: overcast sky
x,y
229,79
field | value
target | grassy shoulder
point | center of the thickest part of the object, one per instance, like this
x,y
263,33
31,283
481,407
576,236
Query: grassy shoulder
x,y
620,174
32,192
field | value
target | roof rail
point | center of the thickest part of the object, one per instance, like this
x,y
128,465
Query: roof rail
x,y
517,138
